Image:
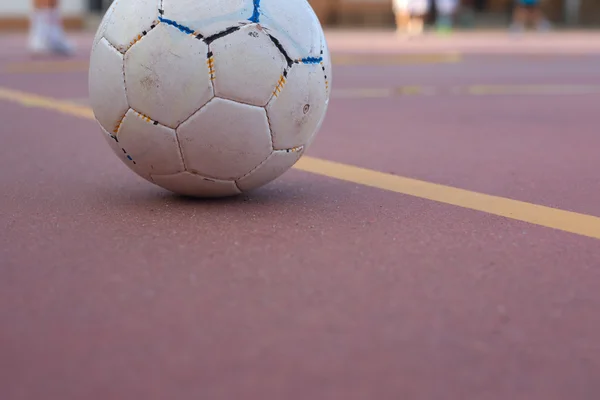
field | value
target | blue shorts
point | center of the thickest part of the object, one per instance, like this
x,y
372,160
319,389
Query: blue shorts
x,y
529,3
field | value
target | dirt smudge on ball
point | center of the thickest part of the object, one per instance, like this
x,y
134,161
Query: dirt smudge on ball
x,y
149,82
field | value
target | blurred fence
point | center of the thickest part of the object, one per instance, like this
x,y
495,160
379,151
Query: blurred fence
x,y
346,13
470,12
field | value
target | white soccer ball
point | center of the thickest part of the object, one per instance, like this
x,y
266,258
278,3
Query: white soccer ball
x,y
210,98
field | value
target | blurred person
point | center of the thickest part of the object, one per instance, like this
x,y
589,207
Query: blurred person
x,y
46,33
529,11
445,14
410,16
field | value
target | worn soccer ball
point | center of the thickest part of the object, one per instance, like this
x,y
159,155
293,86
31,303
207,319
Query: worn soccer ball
x,y
210,98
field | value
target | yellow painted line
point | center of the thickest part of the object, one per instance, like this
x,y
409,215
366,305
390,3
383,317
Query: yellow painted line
x,y
395,59
380,93
376,93
580,224
65,66
532,89
416,91
48,103
46,67
473,90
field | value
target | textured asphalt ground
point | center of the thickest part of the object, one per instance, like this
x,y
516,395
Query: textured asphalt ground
x,y
314,288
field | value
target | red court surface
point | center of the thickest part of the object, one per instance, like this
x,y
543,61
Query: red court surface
x,y
317,287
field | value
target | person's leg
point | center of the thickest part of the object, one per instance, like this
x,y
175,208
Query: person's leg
x,y
537,18
417,25
443,23
519,17
38,26
402,21
418,10
46,31
446,10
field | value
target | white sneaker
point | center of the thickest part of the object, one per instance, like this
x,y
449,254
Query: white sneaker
x,y
58,41
38,44
544,26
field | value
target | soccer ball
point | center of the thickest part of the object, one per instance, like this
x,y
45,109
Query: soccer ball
x,y
210,98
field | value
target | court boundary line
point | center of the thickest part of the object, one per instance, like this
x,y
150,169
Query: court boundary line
x,y
342,59
554,218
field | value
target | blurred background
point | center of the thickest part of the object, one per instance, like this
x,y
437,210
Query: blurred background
x,y
471,14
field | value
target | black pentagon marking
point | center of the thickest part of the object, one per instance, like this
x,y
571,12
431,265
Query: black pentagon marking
x,y
219,35
161,11
199,36
285,72
155,122
210,54
281,50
